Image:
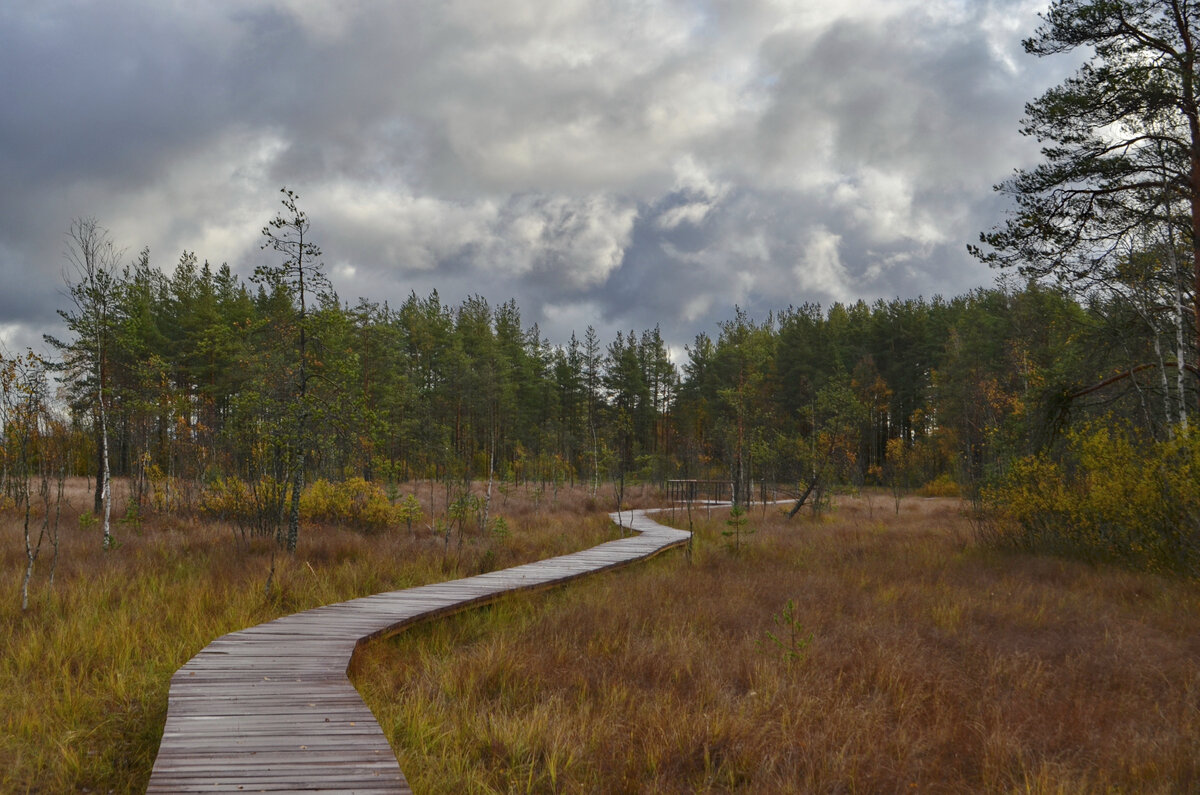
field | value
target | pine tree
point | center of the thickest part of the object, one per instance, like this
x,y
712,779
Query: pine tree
x,y
1121,144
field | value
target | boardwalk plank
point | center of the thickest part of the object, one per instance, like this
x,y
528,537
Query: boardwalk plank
x,y
269,708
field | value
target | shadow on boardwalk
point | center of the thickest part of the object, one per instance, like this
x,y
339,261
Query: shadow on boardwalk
x,y
270,709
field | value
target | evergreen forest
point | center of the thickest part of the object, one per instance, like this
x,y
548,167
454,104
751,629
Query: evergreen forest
x,y
186,386
1060,402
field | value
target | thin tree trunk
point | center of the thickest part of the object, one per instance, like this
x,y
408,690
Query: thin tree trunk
x,y
293,533
487,499
105,474
1180,351
98,500
803,498
30,556
1166,386
62,478
595,460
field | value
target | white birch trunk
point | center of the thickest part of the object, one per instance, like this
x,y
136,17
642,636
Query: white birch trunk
x,y
487,499
30,558
106,483
1166,386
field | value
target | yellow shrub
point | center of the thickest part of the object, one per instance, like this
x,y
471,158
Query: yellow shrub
x,y
941,486
254,505
226,498
1111,496
354,502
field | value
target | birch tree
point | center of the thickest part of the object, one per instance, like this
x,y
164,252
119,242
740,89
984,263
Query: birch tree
x,y
92,288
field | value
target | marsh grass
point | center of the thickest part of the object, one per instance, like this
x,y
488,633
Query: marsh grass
x,y
933,666
84,673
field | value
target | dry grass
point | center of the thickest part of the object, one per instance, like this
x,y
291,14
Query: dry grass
x,y
932,667
84,673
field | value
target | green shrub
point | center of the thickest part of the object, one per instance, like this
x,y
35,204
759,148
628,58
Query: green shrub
x,y
409,511
500,529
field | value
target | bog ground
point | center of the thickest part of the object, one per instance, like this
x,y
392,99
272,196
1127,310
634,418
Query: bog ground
x,y
861,651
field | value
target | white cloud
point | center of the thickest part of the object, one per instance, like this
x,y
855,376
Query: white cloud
x,y
643,161
700,193
576,242
881,202
573,242
820,268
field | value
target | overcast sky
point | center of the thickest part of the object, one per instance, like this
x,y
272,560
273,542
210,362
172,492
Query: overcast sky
x,y
619,163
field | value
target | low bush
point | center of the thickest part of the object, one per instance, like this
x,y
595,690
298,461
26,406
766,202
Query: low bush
x,y
226,498
353,503
253,506
942,486
1109,496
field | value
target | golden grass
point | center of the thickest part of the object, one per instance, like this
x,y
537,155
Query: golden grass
x,y
933,666
84,673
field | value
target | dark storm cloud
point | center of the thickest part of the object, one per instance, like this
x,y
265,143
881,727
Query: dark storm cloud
x,y
624,165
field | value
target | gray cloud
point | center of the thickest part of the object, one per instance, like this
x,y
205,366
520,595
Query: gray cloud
x,y
622,164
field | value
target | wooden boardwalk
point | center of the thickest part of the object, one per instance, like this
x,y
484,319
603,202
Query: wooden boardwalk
x,y
270,709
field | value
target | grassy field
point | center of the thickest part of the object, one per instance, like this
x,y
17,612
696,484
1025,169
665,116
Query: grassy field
x,y
84,673
863,652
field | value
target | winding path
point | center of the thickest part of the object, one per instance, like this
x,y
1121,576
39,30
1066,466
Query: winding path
x,y
270,709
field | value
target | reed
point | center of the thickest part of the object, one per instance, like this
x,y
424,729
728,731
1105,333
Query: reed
x,y
928,665
84,672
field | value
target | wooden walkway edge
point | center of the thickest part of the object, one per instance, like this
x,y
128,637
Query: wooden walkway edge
x,y
270,709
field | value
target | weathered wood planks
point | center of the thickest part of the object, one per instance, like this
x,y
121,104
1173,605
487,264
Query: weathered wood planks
x,y
269,708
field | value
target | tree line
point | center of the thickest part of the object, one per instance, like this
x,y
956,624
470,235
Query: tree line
x,y
185,378
1017,395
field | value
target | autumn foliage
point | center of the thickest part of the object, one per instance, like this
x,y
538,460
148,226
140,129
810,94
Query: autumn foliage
x,y
1110,496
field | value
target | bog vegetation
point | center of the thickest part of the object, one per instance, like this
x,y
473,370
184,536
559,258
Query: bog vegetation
x,y
189,387
869,643
190,423
866,650
85,671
